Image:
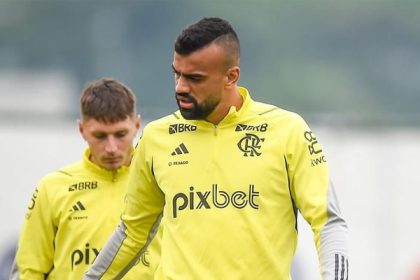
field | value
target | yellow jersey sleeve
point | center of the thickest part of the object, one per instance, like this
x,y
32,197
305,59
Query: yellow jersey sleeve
x,y
36,244
308,175
314,196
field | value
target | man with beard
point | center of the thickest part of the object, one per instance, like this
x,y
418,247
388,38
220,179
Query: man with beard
x,y
74,209
226,176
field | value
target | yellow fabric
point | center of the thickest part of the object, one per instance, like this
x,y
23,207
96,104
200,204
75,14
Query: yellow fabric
x,y
228,193
71,215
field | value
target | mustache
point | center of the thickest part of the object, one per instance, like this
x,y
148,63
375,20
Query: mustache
x,y
184,95
111,157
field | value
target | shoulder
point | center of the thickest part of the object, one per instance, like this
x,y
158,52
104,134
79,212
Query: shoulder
x,y
162,124
56,179
274,114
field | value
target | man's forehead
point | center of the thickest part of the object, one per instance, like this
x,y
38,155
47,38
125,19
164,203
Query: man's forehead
x,y
108,127
200,60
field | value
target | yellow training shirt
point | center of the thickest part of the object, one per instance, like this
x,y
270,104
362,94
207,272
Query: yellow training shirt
x,y
228,198
71,215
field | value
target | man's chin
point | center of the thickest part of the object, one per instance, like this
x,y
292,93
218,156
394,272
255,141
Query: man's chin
x,y
189,114
112,166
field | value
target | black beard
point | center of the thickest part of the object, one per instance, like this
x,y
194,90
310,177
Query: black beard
x,y
197,112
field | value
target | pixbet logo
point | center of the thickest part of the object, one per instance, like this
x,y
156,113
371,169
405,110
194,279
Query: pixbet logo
x,y
181,127
144,259
218,198
86,255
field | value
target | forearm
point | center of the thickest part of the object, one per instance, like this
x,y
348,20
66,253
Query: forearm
x,y
108,264
333,256
119,254
333,252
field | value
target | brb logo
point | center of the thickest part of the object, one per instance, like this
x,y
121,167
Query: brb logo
x,y
219,199
250,145
181,127
86,256
81,186
244,127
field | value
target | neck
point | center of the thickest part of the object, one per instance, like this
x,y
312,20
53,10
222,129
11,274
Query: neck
x,y
233,98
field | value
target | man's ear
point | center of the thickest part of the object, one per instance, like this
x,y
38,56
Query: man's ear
x,y
232,76
81,128
138,121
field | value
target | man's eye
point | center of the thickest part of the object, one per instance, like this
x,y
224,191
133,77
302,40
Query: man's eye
x,y
100,136
195,78
121,135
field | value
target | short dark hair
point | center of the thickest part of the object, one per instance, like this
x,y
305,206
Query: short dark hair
x,y
107,100
206,31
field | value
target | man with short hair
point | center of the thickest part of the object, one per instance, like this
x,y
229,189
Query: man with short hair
x,y
74,209
226,176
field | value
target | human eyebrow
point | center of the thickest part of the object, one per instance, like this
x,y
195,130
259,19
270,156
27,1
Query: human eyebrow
x,y
193,77
99,135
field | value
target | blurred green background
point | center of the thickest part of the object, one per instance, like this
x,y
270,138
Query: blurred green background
x,y
350,68
335,62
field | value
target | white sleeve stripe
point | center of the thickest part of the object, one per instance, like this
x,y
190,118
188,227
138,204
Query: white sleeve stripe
x,y
14,272
341,267
153,231
347,274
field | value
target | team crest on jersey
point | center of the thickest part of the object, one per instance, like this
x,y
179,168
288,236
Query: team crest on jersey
x,y
250,145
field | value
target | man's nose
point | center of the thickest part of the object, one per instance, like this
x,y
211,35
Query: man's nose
x,y
181,85
111,145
